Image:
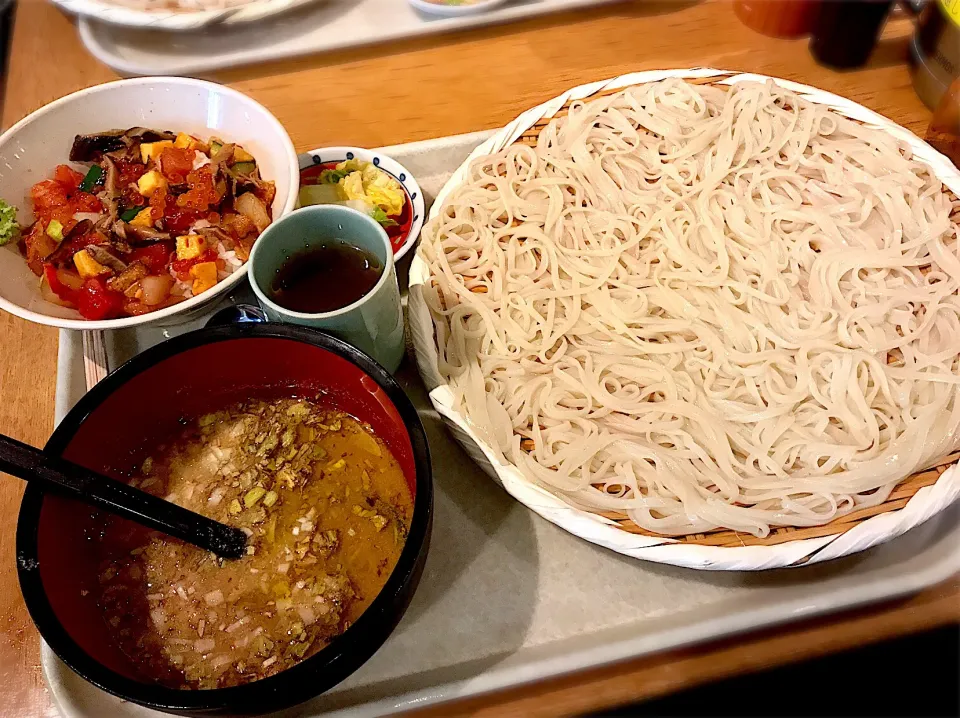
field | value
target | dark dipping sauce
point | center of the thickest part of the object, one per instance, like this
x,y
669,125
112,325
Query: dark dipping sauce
x,y
325,278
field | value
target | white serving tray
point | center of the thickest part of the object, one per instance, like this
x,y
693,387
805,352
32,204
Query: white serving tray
x,y
329,25
508,598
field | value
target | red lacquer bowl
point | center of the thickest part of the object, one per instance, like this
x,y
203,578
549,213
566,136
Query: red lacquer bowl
x,y
146,399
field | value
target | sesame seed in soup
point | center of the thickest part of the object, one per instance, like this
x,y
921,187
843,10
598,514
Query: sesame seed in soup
x,y
326,509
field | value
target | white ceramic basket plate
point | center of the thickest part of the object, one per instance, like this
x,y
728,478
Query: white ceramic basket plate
x,y
883,527
113,14
323,155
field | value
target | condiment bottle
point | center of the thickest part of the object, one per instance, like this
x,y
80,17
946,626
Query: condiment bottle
x,y
778,18
847,30
944,130
935,50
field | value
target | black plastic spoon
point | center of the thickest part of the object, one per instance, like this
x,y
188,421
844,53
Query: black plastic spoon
x,y
69,479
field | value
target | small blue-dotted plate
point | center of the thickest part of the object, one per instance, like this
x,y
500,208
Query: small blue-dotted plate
x,y
413,212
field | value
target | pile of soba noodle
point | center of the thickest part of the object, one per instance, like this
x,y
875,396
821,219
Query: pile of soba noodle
x,y
703,308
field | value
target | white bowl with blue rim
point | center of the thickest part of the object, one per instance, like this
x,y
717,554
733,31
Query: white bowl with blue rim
x,y
327,155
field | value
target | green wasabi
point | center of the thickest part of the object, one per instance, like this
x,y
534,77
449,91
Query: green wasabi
x,y
9,227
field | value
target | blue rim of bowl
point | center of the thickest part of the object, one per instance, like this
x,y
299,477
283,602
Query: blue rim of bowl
x,y
323,155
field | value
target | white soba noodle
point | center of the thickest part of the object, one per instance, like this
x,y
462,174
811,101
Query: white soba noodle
x,y
704,308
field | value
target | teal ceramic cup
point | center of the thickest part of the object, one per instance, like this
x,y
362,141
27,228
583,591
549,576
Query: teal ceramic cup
x,y
373,323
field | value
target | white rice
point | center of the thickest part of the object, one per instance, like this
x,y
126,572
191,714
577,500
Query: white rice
x,y
199,160
185,288
231,262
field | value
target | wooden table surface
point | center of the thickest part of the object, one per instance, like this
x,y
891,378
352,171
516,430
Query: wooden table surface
x,y
415,90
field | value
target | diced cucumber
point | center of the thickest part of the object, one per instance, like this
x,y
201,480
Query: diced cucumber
x,y
55,230
320,194
93,178
128,214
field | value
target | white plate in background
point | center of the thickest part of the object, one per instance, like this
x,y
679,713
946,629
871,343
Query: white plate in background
x,y
236,12
330,25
